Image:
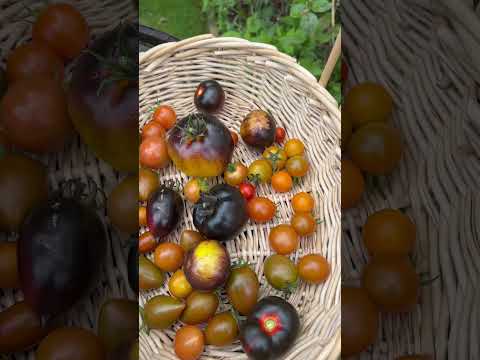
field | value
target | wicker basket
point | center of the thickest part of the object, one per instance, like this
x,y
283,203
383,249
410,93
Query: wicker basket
x,y
420,57
258,76
76,161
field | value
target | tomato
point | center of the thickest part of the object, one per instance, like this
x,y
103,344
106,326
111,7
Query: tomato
x,y
194,188
392,283
23,184
261,209
360,319
297,166
313,268
234,137
122,205
260,171
71,343
8,265
389,232
31,60
221,330
276,156
153,153
20,328
153,128
34,115
366,103
209,96
281,272
347,129
294,147
258,129
247,190
161,311
353,184
164,209
189,343
189,239
376,148
304,224
282,181
280,134
148,182
200,307
142,216
179,286
165,116
235,174
283,239
303,202
169,256
242,289
146,242
149,276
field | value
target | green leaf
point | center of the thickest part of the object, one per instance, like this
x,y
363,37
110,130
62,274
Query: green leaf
x,y
297,10
309,23
292,41
311,65
254,24
232,34
320,6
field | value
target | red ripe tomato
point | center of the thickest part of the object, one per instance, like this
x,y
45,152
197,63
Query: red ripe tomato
x,y
152,129
247,190
280,134
261,209
165,116
63,29
153,153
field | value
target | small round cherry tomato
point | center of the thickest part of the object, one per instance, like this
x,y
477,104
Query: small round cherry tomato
x,y
234,137
283,239
235,174
165,116
276,156
304,224
179,286
294,147
146,242
313,268
142,216
189,239
297,166
221,330
147,184
63,29
353,184
260,171
280,134
153,153
281,272
303,202
261,209
189,343
193,189
282,181
168,256
153,128
209,96
247,190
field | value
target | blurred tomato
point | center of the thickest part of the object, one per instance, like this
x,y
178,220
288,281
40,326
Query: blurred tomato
x,y
9,278
122,205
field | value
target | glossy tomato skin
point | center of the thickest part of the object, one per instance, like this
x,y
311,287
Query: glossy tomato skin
x,y
189,239
165,116
149,276
360,319
107,120
270,330
221,330
189,343
258,129
20,328
122,205
304,224
282,181
204,152
353,184
153,153
179,286
34,115
153,128
200,307
209,96
313,268
260,171
34,59
281,272
297,166
221,213
146,242
280,134
303,202
261,209
169,256
164,208
162,311
283,239
148,183
8,265
247,190
235,174
71,343
61,249
242,289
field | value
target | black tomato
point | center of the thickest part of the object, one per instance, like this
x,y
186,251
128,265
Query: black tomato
x,y
209,96
164,209
258,129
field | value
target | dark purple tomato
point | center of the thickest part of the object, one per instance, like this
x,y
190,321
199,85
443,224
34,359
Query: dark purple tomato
x,y
258,129
209,96
164,209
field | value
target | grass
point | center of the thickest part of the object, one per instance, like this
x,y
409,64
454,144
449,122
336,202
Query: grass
x,y
180,18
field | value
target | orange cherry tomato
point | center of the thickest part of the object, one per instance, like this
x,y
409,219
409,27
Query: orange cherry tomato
x,y
261,209
313,268
304,223
189,343
168,256
165,116
283,239
297,166
294,147
282,181
153,153
146,242
303,202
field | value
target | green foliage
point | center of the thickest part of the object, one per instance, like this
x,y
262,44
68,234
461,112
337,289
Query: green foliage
x,y
300,28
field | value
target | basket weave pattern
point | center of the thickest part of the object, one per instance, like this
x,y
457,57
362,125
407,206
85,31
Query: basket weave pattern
x,y
258,76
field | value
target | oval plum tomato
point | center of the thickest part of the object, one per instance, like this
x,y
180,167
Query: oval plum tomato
x,y
189,343
294,147
282,181
147,184
304,223
276,156
261,209
242,288
153,128
222,329
194,188
280,134
353,184
31,60
391,283
297,166
63,29
376,148
360,319
389,232
161,311
235,173
168,257
165,116
313,268
34,115
209,96
283,239
142,216
303,202
200,307
153,153
260,171
146,242
366,103
179,286
247,190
